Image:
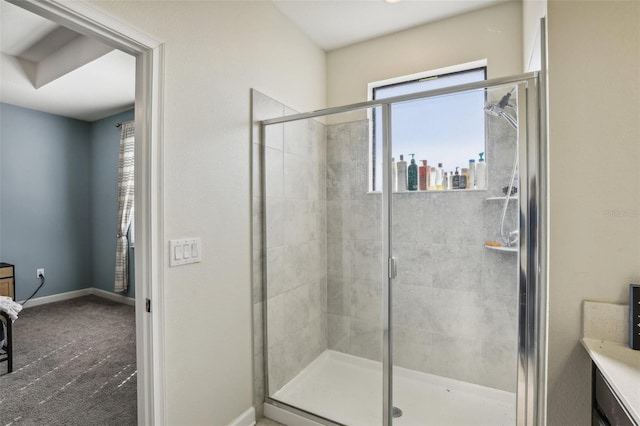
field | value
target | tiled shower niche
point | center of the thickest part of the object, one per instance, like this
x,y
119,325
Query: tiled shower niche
x,y
454,301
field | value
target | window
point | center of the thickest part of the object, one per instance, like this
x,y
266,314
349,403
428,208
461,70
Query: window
x,y
445,129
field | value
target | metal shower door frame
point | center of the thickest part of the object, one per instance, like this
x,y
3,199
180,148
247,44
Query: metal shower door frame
x,y
531,264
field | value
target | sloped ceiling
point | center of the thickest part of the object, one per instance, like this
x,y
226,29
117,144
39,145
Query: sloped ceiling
x,y
47,67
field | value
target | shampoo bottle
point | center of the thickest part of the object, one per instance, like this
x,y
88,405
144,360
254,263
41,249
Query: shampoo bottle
x,y
456,180
445,181
439,177
412,176
422,176
450,180
481,173
472,174
432,178
464,178
402,174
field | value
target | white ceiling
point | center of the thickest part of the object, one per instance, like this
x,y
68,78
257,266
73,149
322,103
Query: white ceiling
x,y
337,23
50,68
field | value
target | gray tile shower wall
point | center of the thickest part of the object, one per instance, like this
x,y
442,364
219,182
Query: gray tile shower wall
x,y
296,290
294,255
454,301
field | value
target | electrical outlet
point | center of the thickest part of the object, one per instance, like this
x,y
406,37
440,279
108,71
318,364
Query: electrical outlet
x,y
39,271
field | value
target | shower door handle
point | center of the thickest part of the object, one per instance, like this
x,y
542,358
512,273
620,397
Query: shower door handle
x,y
393,268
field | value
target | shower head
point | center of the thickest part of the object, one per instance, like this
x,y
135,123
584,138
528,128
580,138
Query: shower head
x,y
499,109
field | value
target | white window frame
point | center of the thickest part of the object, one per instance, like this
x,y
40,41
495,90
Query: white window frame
x,y
467,66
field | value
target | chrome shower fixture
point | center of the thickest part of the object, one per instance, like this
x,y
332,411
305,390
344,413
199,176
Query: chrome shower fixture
x,y
499,109
509,239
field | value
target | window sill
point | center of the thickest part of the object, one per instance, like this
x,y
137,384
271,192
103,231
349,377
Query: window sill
x,y
431,191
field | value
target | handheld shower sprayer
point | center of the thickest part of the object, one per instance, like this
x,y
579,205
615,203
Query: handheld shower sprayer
x,y
505,99
499,110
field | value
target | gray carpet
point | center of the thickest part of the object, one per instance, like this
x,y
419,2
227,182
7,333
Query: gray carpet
x,y
74,364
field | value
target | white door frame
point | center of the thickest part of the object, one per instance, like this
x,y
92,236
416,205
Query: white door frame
x,y
93,22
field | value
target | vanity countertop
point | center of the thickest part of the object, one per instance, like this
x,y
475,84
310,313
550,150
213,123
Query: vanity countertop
x,y
620,366
605,337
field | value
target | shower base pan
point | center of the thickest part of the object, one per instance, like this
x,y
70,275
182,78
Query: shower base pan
x,y
348,390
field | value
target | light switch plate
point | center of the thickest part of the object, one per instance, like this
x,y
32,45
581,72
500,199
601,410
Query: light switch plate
x,y
179,256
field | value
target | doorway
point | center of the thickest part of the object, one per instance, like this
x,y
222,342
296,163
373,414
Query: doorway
x,y
89,21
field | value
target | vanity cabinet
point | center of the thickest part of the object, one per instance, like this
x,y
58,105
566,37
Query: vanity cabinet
x,y
7,280
607,409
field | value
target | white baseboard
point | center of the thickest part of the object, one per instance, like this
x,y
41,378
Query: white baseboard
x,y
286,417
248,418
79,293
57,297
113,296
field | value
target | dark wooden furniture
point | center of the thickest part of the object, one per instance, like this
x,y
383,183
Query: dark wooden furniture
x,y
7,280
7,288
6,352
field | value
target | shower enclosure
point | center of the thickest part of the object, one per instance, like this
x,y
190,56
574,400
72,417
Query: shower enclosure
x,y
378,306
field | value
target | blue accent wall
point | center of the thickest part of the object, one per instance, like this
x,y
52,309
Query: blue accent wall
x,y
58,200
105,148
45,200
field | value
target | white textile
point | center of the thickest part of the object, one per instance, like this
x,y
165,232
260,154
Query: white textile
x,y
10,307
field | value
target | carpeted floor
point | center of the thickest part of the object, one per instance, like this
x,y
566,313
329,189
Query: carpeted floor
x,y
74,364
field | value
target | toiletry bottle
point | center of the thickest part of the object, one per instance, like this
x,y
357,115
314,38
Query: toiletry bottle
x,y
464,178
412,175
472,174
394,175
456,180
481,173
445,181
402,174
432,178
422,176
439,177
450,181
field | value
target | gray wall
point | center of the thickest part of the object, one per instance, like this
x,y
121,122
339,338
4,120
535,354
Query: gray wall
x,y
295,257
104,153
454,301
56,195
354,245
45,193
296,248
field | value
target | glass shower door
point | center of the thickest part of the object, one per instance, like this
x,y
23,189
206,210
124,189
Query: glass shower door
x,y
323,290
400,293
454,322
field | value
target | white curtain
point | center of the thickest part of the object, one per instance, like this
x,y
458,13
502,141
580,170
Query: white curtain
x,y
125,204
